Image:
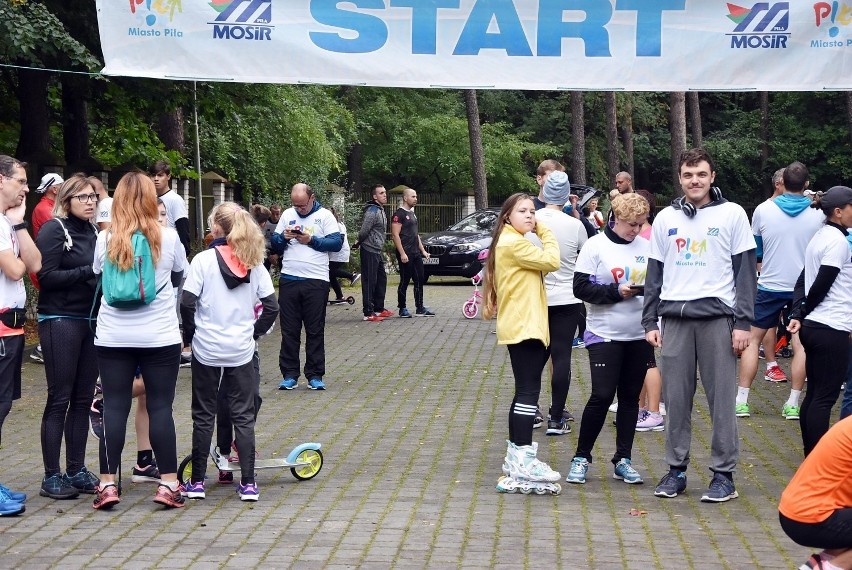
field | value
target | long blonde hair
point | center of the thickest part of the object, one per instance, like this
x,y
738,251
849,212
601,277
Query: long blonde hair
x,y
240,231
489,288
134,207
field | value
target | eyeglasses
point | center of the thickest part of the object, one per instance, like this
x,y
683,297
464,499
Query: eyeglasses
x,y
21,181
85,198
303,206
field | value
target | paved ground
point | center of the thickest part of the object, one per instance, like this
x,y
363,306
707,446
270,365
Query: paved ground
x,y
413,427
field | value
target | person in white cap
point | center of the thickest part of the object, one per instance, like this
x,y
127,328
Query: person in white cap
x,y
43,211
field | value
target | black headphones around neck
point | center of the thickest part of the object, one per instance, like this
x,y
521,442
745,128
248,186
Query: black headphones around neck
x,y
689,209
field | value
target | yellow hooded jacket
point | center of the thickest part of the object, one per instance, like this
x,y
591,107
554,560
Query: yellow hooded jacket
x,y
519,267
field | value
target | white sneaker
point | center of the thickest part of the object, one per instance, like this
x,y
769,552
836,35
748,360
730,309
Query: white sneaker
x,y
614,407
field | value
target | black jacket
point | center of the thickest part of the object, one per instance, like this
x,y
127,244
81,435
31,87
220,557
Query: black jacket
x,y
67,280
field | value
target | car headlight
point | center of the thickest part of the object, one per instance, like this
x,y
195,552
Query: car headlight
x,y
465,248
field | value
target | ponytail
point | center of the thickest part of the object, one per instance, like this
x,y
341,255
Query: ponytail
x,y
241,232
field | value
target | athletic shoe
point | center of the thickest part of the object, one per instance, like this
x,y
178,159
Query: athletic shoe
x,y
84,481
337,302
624,471
742,410
672,484
385,313
566,415
248,492
374,318
404,313
96,418
185,359
775,374
538,419
721,489
355,279
106,497
614,407
288,384
785,352
424,312
8,494
560,427
761,354
316,384
169,498
58,486
193,490
790,412
577,471
226,477
578,343
147,474
36,355
653,421
643,413
662,409
9,508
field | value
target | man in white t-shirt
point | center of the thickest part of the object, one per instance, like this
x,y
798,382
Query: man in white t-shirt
x,y
104,216
304,236
176,214
18,255
782,228
701,281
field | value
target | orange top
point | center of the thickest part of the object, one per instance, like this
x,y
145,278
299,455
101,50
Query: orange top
x,y
823,482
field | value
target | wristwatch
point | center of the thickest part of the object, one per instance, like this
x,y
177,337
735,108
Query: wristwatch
x,y
22,226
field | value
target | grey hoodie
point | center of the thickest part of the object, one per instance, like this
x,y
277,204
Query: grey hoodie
x,y
374,228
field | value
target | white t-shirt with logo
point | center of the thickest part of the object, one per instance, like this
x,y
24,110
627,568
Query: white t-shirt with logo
x,y
571,235
175,207
607,262
152,325
697,251
302,260
341,256
829,247
224,318
784,241
104,211
13,295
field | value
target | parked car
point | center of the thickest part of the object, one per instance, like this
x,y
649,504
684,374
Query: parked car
x,y
455,251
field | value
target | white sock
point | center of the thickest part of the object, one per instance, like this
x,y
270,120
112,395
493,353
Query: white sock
x,y
172,485
771,364
793,400
742,395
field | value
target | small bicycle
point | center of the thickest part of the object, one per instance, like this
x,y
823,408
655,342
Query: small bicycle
x,y
470,309
304,461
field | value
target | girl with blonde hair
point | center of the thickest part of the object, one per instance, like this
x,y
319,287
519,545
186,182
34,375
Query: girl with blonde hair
x,y
146,337
514,281
217,308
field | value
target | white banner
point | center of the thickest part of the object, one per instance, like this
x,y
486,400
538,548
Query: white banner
x,y
634,45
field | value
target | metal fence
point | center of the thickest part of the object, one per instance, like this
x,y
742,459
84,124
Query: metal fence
x,y
434,211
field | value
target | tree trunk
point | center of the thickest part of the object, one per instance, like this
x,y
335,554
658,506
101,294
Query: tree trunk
x,y
695,119
34,141
354,163
578,138
75,123
477,153
612,161
170,129
627,138
764,130
677,127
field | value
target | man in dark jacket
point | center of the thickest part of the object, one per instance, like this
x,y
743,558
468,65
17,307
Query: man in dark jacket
x,y
371,240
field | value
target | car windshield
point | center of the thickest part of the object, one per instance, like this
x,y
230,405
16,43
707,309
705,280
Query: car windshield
x,y
476,222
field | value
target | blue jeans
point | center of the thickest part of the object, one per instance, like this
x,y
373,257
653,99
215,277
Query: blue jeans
x,y
846,406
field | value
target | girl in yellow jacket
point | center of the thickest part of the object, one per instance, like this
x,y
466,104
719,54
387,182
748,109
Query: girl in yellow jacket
x,y
515,283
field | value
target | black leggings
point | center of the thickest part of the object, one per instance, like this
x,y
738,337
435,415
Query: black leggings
x,y
562,320
335,272
581,323
71,368
159,366
528,359
617,366
827,352
834,532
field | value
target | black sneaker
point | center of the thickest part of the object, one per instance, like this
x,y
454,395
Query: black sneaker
x,y
185,359
96,418
36,355
560,427
147,474
85,481
58,486
424,312
567,415
539,419
672,484
721,489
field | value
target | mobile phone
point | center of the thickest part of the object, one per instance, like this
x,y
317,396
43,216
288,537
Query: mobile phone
x,y
296,231
640,288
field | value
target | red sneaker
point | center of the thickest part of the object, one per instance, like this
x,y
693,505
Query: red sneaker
x,y
105,498
775,374
169,498
375,318
385,313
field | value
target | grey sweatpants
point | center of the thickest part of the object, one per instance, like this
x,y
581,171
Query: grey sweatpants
x,y
707,343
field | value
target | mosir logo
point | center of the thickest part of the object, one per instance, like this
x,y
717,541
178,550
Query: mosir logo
x,y
763,26
242,19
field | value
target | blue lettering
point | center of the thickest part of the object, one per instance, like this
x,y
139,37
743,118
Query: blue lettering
x,y
424,22
372,31
475,35
592,30
649,23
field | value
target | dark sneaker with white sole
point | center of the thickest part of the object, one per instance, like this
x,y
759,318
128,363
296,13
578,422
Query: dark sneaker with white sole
x,y
58,486
721,489
672,484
